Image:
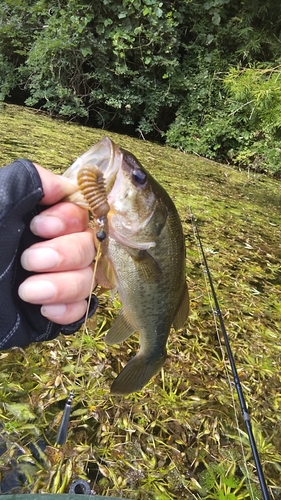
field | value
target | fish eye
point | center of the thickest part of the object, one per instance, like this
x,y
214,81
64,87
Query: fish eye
x,y
139,177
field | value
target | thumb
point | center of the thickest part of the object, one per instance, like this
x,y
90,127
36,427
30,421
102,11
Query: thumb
x,y
55,187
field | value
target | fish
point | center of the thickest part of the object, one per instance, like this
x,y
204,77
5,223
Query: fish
x,y
144,258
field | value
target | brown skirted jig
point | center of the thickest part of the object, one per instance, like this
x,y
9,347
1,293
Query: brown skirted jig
x,y
91,183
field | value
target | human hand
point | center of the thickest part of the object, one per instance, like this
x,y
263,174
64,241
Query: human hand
x,y
69,243
63,261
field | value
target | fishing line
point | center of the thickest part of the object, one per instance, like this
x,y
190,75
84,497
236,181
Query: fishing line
x,y
63,428
245,413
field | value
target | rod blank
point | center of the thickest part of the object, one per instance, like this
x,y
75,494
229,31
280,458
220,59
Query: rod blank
x,y
237,384
62,432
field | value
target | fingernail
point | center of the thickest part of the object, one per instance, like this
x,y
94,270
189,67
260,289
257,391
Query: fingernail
x,y
42,224
39,259
37,291
53,310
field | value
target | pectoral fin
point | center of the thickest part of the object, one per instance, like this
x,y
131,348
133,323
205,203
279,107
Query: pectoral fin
x,y
120,330
105,275
136,374
183,309
146,264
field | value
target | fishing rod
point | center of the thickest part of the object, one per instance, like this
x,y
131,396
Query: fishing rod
x,y
237,384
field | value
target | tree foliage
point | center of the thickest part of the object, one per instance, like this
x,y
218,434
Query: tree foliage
x,y
163,69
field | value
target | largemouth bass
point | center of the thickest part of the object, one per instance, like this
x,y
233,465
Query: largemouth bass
x,y
144,259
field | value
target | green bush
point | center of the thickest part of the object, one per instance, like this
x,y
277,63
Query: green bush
x,y
246,127
173,71
105,59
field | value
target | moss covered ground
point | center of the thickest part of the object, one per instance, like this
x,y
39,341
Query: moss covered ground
x,y
183,435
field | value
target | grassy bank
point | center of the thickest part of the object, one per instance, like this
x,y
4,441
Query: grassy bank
x,y
178,438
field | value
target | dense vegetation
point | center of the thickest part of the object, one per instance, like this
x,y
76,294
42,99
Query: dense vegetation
x,y
202,75
183,435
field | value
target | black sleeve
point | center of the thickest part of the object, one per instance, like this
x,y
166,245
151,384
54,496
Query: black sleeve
x,y
20,322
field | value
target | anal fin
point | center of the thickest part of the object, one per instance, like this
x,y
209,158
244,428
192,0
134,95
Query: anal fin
x,y
120,330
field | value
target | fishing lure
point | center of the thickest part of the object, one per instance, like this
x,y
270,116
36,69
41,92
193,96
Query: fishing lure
x,y
91,183
90,180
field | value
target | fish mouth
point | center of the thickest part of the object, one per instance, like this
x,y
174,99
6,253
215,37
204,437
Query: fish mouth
x,y
106,156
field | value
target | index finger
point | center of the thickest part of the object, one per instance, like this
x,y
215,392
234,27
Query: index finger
x,y
59,219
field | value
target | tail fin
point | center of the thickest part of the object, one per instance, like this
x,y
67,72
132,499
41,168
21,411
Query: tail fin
x,y
136,374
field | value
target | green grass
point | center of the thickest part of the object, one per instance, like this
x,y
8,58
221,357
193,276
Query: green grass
x,y
177,438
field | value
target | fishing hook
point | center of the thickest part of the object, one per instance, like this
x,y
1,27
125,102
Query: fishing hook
x,y
236,379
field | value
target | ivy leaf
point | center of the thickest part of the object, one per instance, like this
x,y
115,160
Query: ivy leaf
x,y
86,51
216,19
20,410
